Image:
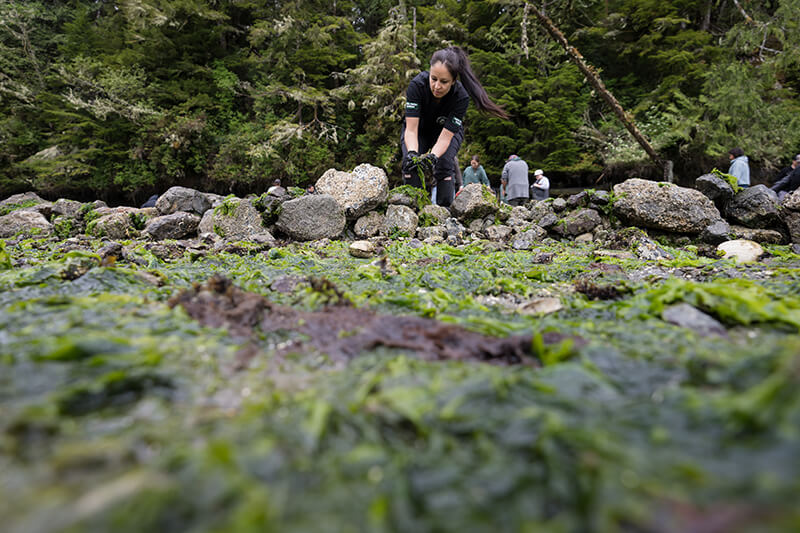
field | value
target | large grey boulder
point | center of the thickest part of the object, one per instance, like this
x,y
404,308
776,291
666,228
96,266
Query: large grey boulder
x,y
16,201
716,233
548,221
454,228
119,210
498,232
760,235
369,225
214,198
25,224
519,216
664,206
436,212
175,226
529,239
312,217
400,219
715,188
578,222
791,202
359,191
183,199
67,208
432,234
28,201
754,207
401,196
477,226
649,250
117,225
474,201
580,199
791,214
235,219
792,221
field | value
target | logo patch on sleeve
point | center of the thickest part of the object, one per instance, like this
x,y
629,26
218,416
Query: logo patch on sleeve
x,y
457,121
412,106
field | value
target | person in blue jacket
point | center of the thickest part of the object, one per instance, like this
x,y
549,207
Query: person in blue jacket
x,y
739,168
436,102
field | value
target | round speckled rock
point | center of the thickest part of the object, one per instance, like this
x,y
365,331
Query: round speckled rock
x,y
358,191
664,206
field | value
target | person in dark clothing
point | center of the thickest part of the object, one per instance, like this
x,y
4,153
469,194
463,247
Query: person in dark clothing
x,y
436,102
151,202
790,182
785,171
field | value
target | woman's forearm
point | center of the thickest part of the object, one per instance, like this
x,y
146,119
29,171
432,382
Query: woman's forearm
x,y
442,143
411,137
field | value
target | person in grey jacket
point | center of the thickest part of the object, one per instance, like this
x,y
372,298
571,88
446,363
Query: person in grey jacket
x,y
514,180
739,168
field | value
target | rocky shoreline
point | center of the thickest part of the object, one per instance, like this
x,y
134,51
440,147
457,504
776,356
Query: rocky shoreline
x,y
358,206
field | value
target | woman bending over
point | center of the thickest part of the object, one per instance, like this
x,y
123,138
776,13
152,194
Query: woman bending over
x,y
436,102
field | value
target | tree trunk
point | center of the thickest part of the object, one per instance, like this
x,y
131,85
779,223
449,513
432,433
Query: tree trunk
x,y
415,29
523,41
707,17
597,83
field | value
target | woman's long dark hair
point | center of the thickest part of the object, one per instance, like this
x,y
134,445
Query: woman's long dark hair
x,y
457,63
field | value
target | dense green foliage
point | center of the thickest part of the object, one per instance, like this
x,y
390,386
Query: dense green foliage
x,y
101,98
121,413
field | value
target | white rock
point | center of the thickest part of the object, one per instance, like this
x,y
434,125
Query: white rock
x,y
362,249
742,250
541,306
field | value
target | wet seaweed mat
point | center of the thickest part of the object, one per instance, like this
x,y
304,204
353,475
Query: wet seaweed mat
x,y
301,389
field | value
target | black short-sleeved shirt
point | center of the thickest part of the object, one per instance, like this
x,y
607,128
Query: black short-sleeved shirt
x,y
448,112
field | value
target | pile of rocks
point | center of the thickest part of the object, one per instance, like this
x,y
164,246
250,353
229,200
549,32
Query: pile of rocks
x,y
359,206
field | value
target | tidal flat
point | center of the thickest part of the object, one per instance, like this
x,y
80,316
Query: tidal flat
x,y
431,388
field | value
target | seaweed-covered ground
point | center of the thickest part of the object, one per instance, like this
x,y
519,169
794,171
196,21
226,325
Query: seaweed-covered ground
x,y
299,389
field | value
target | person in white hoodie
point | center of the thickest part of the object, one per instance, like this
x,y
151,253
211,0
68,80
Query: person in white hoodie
x,y
540,189
740,167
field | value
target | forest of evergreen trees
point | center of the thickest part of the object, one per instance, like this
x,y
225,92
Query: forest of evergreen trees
x,y
119,99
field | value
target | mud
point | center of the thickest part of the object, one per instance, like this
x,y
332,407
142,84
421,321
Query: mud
x,y
342,331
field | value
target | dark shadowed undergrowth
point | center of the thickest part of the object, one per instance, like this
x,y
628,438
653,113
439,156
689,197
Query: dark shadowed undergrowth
x,y
302,389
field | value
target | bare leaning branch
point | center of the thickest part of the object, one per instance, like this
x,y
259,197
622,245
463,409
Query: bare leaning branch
x,y
747,17
594,79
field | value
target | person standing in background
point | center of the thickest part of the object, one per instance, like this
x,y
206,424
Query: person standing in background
x,y
740,167
475,173
789,182
276,189
787,170
514,180
540,190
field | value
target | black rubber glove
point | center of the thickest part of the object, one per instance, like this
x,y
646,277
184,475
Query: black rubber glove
x,y
427,162
410,162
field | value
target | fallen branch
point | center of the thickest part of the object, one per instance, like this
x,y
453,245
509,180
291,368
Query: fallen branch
x,y
594,79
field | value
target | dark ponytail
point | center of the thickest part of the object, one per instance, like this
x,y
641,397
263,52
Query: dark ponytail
x,y
457,63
